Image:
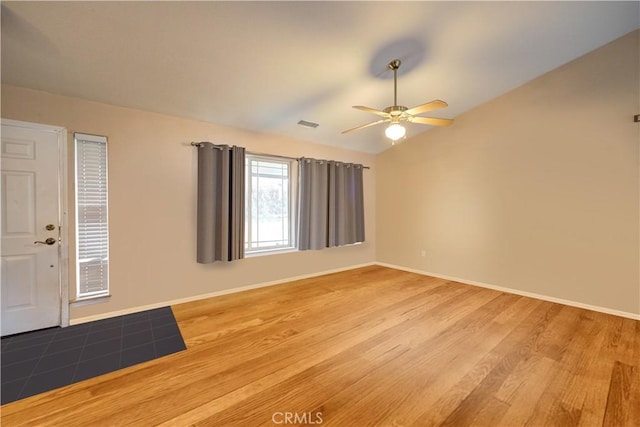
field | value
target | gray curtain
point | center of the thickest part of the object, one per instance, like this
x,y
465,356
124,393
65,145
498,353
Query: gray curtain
x,y
220,203
313,207
330,204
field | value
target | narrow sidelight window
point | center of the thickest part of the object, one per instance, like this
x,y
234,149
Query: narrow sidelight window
x,y
92,231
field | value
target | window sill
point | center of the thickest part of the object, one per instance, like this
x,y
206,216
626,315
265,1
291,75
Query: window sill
x,y
89,300
270,252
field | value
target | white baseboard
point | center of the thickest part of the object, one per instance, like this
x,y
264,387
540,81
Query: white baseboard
x,y
211,295
516,292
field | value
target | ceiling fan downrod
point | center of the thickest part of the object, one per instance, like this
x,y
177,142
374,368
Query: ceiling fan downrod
x,y
394,65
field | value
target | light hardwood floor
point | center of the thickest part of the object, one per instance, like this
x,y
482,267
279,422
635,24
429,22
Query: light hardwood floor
x,y
372,346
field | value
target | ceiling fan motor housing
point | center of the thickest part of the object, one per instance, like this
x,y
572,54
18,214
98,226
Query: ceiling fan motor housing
x,y
395,110
395,64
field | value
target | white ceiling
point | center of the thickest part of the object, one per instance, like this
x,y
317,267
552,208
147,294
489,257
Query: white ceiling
x,y
265,65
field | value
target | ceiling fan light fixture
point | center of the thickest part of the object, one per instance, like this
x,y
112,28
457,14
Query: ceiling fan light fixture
x,y
395,131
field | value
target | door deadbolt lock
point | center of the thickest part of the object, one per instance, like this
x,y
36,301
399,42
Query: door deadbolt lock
x,y
50,227
49,241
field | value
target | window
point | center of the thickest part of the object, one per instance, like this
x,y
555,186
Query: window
x,y
92,235
269,212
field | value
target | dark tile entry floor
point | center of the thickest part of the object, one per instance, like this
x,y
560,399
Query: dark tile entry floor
x,y
40,361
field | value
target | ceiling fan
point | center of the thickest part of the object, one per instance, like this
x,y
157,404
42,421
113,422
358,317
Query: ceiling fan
x,y
398,113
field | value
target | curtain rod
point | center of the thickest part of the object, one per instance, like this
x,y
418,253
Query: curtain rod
x,y
198,144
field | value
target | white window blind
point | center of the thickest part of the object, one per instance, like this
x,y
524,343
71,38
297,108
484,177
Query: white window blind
x,y
92,231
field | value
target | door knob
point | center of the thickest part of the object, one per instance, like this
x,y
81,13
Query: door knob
x,y
49,241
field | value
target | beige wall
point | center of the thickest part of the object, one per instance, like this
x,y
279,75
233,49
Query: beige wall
x,y
152,205
537,190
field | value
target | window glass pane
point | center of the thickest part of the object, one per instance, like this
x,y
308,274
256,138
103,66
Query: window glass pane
x,y
268,204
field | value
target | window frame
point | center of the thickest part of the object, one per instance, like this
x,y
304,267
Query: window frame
x,y
292,205
105,293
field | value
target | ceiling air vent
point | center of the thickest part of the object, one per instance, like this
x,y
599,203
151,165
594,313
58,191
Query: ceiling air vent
x,y
308,124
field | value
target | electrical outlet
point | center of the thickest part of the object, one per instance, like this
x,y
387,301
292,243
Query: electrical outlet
x,y
423,253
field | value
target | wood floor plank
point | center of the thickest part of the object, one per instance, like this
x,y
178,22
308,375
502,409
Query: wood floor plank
x,y
597,376
526,335
491,414
619,412
536,375
584,396
465,370
370,346
561,402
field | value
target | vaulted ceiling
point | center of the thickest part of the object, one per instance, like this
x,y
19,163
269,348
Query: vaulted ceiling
x,y
264,66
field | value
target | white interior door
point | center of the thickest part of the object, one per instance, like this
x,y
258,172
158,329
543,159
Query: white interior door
x,y
30,276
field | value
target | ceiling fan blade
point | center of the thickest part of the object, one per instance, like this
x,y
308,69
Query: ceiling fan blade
x,y
365,126
372,110
430,121
433,105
